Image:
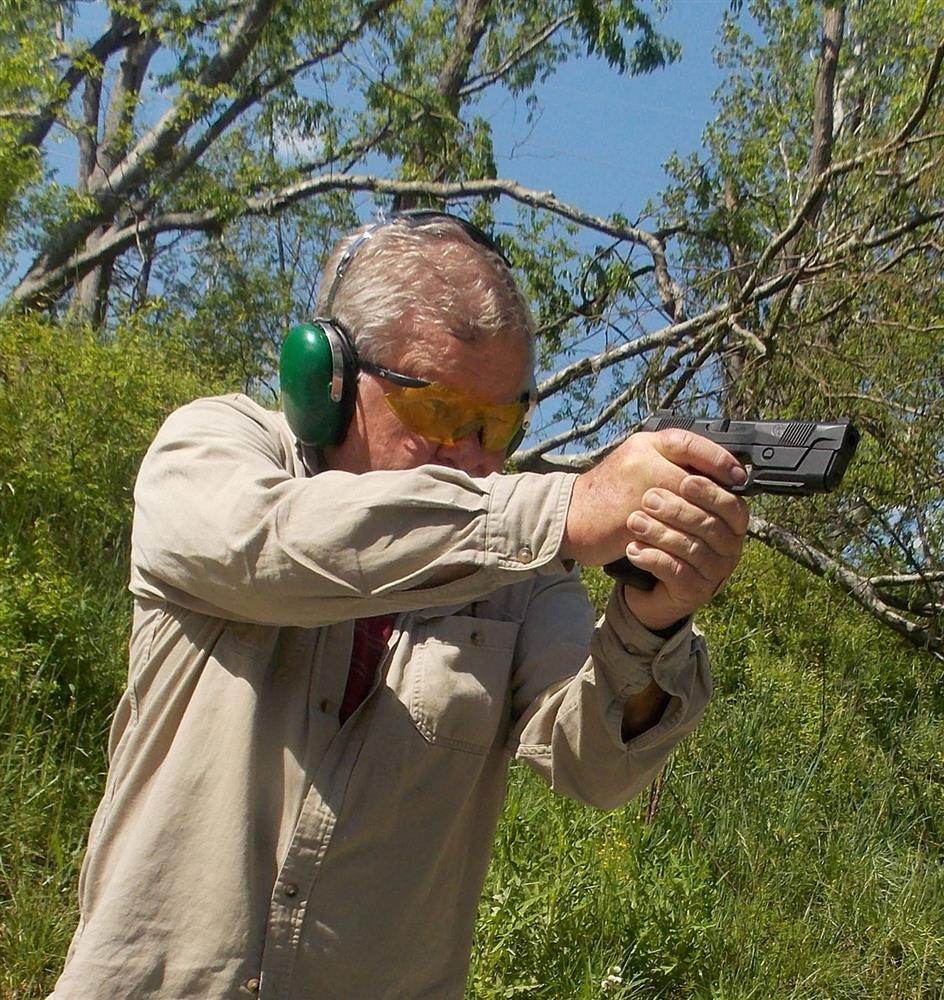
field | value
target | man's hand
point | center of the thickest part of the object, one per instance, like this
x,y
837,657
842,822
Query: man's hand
x,y
657,499
690,542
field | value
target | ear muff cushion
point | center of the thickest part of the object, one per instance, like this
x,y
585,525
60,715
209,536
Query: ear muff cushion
x,y
316,359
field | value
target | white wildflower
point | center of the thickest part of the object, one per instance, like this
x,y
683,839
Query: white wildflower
x,y
612,981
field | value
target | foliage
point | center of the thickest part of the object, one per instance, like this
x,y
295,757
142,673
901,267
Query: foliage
x,y
795,849
791,270
76,414
839,219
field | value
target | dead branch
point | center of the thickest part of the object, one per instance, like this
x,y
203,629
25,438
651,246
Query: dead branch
x,y
859,588
48,281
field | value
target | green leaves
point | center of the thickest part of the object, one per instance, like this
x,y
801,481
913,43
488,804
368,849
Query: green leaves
x,y
605,27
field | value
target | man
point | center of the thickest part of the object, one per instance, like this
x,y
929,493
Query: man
x,y
337,649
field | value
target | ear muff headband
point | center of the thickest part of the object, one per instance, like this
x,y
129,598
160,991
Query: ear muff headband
x,y
318,378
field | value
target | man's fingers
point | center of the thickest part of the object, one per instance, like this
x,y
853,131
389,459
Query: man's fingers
x,y
683,580
709,496
703,508
691,547
688,529
688,548
692,451
688,534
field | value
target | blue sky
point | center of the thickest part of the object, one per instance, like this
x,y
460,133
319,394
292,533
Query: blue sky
x,y
601,139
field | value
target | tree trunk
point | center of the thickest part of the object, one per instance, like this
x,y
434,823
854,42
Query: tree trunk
x,y
471,24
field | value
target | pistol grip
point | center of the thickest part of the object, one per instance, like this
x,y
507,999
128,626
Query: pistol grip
x,y
623,571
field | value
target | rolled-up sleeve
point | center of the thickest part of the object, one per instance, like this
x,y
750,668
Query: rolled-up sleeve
x,y
227,524
571,733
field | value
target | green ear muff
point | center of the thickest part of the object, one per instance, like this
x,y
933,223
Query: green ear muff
x,y
318,377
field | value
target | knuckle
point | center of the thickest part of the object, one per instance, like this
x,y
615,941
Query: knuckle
x,y
713,528
745,517
678,570
687,441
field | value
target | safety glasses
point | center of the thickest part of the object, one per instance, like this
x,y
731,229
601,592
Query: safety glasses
x,y
446,415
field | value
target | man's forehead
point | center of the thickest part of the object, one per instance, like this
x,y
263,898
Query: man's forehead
x,y
484,365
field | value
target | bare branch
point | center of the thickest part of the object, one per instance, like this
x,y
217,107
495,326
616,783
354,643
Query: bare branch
x,y
822,182
119,33
23,114
49,281
155,145
582,430
825,88
596,363
670,291
259,88
859,588
924,104
470,26
703,342
749,339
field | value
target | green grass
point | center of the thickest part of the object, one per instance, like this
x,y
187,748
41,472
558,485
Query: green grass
x,y
61,664
795,850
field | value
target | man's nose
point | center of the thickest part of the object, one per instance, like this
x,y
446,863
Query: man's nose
x,y
470,456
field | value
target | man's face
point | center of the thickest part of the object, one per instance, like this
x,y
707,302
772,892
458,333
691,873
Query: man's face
x,y
494,371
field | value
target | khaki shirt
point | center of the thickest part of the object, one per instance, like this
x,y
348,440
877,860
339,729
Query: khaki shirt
x,y
247,844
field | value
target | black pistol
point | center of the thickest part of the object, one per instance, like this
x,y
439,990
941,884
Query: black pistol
x,y
793,458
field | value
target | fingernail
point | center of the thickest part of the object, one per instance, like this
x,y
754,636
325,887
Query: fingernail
x,y
737,475
653,501
633,549
638,522
693,488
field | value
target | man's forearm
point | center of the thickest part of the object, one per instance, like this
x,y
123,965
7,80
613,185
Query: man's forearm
x,y
643,710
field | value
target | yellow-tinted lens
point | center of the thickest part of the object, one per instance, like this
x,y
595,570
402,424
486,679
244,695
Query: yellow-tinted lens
x,y
445,415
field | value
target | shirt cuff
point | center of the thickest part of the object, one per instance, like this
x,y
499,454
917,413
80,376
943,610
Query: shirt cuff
x,y
633,653
527,513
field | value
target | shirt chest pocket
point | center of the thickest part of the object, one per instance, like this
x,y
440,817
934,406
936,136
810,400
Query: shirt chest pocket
x,y
457,684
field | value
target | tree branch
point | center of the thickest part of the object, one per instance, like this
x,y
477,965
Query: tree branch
x,y
859,588
119,33
485,80
581,430
47,283
258,89
156,146
822,182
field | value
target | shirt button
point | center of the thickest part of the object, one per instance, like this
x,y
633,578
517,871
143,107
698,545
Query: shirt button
x,y
252,985
525,554
476,638
290,890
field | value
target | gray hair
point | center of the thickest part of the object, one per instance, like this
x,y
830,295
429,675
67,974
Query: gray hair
x,y
431,275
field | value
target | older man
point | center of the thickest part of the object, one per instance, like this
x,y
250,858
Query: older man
x,y
339,643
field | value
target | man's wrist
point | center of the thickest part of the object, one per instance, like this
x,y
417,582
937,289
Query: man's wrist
x,y
669,630
661,621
